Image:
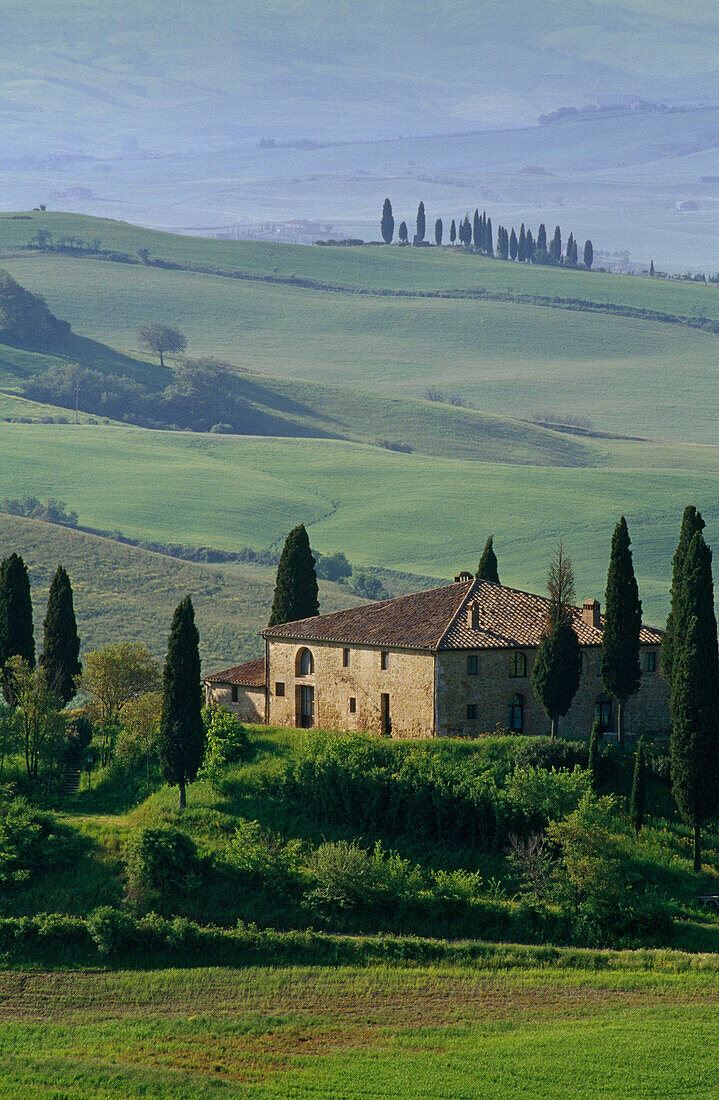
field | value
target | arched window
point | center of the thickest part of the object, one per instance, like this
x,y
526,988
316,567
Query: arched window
x,y
304,663
517,665
515,714
603,713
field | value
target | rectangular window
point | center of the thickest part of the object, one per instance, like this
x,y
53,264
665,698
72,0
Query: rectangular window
x,y
345,658
650,662
279,689
471,711
517,666
383,660
353,705
235,693
472,665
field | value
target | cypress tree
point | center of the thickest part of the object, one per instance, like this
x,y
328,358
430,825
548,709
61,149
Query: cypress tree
x,y
403,232
61,649
387,225
421,227
465,232
638,802
489,247
522,244
17,638
513,245
692,522
542,238
487,568
595,738
588,255
181,738
557,667
453,232
556,247
651,268
438,232
296,595
570,249
476,230
695,724
529,246
621,672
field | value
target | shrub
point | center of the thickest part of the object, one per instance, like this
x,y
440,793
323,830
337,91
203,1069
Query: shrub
x,y
261,855
112,931
31,842
227,743
543,752
162,865
349,877
539,796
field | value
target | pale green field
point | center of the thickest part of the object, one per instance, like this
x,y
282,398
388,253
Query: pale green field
x,y
407,512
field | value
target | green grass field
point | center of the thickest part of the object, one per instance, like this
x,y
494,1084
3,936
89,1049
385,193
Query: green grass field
x,y
444,1033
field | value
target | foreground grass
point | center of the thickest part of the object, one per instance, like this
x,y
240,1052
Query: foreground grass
x,y
345,1033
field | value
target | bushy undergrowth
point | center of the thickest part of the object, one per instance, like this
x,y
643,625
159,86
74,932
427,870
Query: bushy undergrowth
x,y
31,842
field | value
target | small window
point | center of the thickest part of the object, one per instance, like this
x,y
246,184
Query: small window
x,y
650,661
515,714
345,658
279,688
471,711
235,693
353,705
472,665
383,660
603,713
517,666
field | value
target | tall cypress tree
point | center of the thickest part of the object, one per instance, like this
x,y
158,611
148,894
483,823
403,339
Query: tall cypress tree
x,y
593,757
421,226
588,255
557,667
621,672
651,268
438,232
556,248
181,738
476,230
17,638
387,225
453,232
522,244
489,247
570,249
487,569
61,649
513,245
296,594
692,522
542,238
529,246
638,802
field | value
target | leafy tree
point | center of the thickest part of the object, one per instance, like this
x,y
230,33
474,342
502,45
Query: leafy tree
x,y
61,650
118,673
692,522
557,667
41,726
181,739
421,225
403,232
489,247
387,224
453,232
588,254
542,238
621,671
477,230
522,244
162,340
296,595
487,568
513,247
465,232
334,567
137,739
638,802
595,738
17,637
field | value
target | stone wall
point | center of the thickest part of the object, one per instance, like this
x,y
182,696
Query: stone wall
x,y
250,705
492,688
408,680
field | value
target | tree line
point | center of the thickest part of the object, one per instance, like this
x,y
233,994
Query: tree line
x,y
477,235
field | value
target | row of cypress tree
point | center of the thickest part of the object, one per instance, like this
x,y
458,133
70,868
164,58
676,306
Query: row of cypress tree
x,y
478,234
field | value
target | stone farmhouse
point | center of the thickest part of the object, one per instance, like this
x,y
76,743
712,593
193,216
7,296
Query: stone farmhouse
x,y
454,661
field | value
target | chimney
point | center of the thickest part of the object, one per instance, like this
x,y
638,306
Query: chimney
x,y
591,613
464,576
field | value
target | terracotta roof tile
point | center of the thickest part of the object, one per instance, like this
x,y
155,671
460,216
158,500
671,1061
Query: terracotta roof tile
x,y
251,674
441,619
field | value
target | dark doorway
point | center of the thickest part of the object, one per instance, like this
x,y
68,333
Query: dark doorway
x,y
385,720
305,707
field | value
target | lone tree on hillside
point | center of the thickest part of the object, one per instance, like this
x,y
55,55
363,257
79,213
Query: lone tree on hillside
x,y
387,224
694,700
296,593
17,637
403,232
438,232
621,672
487,568
692,522
421,225
162,340
181,738
558,665
588,255
60,656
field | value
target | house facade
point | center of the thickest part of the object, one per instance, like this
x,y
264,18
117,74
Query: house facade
x,y
453,661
